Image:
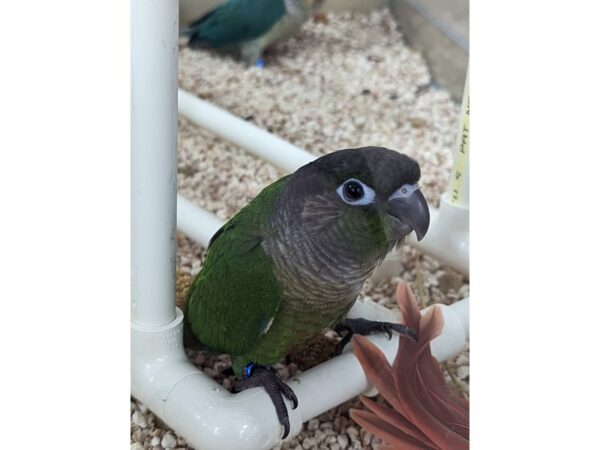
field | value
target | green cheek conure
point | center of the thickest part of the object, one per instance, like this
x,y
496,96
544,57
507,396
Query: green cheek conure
x,y
292,262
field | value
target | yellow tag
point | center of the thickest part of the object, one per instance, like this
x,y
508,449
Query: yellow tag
x,y
461,155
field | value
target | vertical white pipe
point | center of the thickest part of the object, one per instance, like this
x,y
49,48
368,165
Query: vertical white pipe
x,y
459,180
154,48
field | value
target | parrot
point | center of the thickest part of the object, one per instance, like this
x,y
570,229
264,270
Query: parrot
x,y
292,262
250,26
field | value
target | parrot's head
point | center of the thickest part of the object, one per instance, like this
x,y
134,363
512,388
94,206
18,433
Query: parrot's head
x,y
370,195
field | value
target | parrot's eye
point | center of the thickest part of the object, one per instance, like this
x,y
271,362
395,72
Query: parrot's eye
x,y
355,192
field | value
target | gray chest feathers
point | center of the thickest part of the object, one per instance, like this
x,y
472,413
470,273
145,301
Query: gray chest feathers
x,y
316,268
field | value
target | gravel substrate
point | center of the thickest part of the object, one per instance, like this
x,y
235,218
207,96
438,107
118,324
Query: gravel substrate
x,y
347,81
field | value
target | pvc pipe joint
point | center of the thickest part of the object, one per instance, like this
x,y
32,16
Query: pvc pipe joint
x,y
191,402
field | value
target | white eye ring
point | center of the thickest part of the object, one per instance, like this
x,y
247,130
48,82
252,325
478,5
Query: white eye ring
x,y
368,193
406,190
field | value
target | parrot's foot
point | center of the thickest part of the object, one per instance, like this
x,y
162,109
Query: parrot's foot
x,y
365,327
256,376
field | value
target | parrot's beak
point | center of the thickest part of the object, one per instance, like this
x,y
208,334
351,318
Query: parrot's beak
x,y
412,212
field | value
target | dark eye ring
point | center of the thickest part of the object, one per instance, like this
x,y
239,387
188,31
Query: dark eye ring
x,y
353,191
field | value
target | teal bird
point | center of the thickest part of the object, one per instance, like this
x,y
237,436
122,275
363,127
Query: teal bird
x,y
292,262
248,27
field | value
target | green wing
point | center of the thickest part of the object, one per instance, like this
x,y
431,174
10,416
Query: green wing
x,y
236,295
236,21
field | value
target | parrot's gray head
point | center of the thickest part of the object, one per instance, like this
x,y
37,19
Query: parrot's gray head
x,y
369,194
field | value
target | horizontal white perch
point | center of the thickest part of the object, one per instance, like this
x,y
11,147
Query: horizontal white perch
x,y
197,223
211,418
242,133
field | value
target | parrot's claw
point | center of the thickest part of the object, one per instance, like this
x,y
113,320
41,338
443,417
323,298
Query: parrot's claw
x,y
267,377
365,327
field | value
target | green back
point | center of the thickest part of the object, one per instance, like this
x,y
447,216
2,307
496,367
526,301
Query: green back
x,y
236,21
236,295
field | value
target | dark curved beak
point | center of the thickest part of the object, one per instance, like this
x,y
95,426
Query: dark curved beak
x,y
413,211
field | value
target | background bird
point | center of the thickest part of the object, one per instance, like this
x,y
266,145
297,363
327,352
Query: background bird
x,y
292,262
248,27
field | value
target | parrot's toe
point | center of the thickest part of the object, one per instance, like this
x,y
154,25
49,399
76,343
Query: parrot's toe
x,y
365,327
403,330
268,378
287,392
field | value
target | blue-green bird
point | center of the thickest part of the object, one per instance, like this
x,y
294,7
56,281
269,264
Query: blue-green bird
x,y
250,26
292,262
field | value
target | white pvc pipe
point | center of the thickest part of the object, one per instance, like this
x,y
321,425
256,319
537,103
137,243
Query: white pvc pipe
x,y
195,222
154,45
242,133
461,308
211,418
